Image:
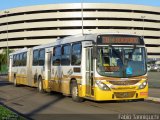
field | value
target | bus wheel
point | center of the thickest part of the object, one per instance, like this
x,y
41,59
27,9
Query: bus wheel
x,y
15,82
40,85
74,92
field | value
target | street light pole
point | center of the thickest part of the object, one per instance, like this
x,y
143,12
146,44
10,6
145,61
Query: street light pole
x,y
82,16
6,12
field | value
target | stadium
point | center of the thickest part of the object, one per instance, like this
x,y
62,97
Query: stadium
x,y
41,24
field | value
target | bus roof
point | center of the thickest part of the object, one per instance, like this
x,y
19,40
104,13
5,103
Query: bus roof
x,y
72,39
19,51
85,37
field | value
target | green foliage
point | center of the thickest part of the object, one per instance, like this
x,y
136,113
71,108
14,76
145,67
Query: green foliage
x,y
3,60
6,114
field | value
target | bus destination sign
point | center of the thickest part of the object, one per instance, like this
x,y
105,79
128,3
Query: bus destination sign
x,y
119,40
129,40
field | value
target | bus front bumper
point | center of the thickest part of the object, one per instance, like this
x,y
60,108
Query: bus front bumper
x,y
101,95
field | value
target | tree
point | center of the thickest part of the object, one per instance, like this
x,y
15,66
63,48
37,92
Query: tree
x,y
3,59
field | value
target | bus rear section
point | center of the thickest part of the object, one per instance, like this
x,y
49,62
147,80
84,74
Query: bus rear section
x,y
19,66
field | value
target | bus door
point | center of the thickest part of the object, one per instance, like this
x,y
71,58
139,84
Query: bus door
x,y
89,72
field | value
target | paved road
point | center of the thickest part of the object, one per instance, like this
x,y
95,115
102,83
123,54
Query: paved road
x,y
28,101
154,79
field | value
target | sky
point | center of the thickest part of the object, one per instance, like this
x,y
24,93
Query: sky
x,y
7,4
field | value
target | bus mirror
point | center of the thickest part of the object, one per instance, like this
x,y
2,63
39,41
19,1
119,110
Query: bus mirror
x,y
94,52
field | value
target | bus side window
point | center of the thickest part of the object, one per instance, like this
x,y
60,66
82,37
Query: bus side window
x,y
104,57
41,57
56,61
14,60
24,59
17,60
20,59
66,52
76,54
35,57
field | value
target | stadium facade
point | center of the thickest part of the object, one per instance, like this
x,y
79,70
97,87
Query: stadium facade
x,y
35,25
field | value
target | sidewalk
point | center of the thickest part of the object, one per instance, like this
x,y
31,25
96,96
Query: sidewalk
x,y
154,95
154,92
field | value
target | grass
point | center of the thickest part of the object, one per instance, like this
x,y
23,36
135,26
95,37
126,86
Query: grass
x,y
6,114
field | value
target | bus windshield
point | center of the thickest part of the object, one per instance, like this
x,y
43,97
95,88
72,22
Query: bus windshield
x,y
116,61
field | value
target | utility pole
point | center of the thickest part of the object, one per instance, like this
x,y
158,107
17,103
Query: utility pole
x,y
6,13
82,16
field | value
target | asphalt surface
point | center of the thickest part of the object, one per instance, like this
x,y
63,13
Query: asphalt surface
x,y
154,79
32,104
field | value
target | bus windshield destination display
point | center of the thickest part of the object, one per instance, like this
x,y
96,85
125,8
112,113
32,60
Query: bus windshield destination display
x,y
119,40
108,40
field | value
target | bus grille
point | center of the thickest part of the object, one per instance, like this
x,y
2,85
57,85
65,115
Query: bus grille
x,y
124,94
127,82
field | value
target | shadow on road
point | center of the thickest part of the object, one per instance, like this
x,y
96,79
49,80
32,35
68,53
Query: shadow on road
x,y
58,96
115,101
14,115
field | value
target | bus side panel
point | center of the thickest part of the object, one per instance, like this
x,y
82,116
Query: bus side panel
x,y
55,78
65,81
10,74
37,72
61,78
22,75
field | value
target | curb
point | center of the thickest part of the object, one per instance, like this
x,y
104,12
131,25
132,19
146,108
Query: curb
x,y
153,99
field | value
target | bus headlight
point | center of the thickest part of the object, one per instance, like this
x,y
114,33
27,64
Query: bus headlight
x,y
143,85
102,85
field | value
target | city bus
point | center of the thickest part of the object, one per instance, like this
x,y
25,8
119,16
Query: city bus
x,y
98,67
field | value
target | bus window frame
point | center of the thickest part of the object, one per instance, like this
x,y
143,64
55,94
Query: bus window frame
x,y
39,57
14,60
24,59
54,55
80,53
20,59
62,54
33,60
17,60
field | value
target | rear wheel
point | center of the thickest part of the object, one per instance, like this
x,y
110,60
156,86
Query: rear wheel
x,y
75,93
40,85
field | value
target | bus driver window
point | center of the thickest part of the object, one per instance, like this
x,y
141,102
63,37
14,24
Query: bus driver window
x,y
104,56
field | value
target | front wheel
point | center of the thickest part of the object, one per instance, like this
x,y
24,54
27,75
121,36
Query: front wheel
x,y
75,93
158,70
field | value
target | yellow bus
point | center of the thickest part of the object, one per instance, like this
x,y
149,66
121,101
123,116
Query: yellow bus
x,y
98,67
